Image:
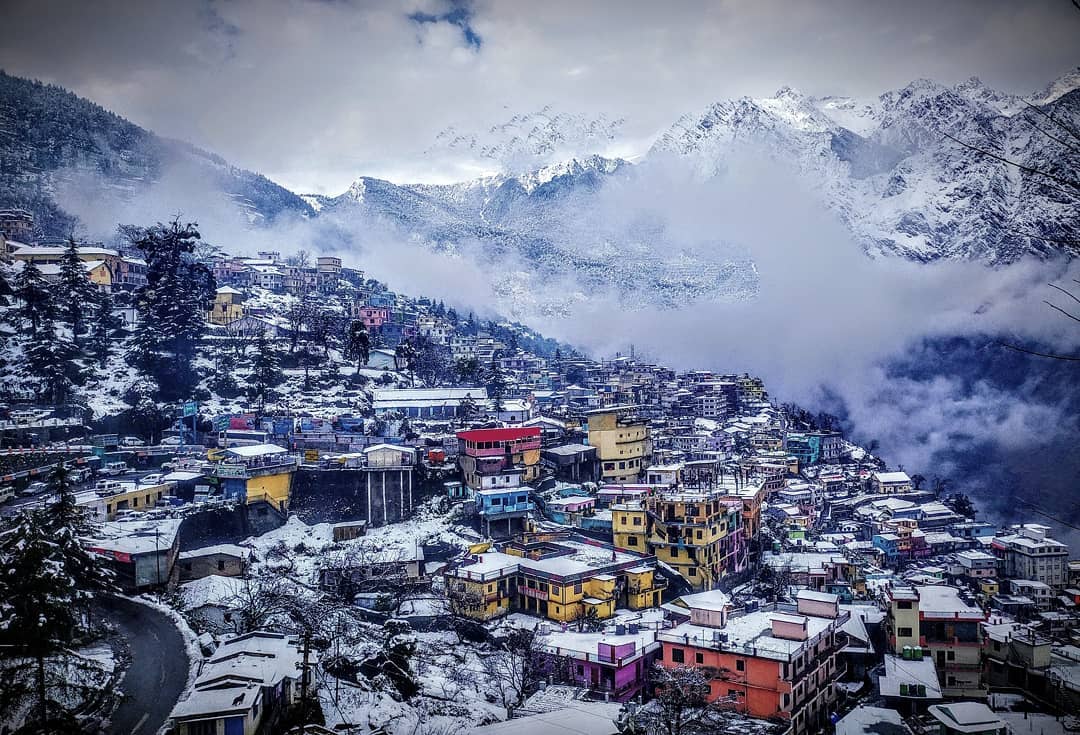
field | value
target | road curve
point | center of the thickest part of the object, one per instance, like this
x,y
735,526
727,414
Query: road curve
x,y
158,671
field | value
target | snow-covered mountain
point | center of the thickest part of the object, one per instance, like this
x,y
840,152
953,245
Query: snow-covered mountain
x,y
885,165
890,169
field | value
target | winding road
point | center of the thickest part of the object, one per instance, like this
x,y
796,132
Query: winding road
x,y
158,671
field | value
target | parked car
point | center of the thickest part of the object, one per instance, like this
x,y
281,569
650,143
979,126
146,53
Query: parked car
x,y
108,487
7,492
80,474
152,479
171,441
132,441
34,488
112,469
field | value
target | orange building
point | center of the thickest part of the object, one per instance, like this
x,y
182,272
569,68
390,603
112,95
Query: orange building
x,y
781,661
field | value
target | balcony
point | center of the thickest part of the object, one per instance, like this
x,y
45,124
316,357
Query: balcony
x,y
497,510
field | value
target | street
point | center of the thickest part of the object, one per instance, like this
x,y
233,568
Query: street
x,y
158,671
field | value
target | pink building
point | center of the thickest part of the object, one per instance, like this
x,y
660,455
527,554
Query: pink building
x,y
614,663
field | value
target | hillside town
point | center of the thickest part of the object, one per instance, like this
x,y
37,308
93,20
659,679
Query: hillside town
x,y
372,513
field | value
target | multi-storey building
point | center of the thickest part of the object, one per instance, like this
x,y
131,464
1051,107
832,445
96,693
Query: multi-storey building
x,y
698,533
1029,553
17,225
227,307
488,452
560,576
623,445
779,662
936,618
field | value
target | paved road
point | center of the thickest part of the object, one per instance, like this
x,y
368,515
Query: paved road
x,y
158,671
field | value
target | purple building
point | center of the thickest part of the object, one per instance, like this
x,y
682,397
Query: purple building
x,y
613,663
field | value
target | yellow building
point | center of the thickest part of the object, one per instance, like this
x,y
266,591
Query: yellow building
x,y
623,445
561,577
256,473
698,533
227,308
105,505
751,389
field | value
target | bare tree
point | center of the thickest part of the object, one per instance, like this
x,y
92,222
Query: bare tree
x,y
514,668
682,706
259,599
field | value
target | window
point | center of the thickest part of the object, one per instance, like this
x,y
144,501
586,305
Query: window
x,y
221,565
677,655
637,520
577,588
699,658
951,655
740,665
632,541
904,604
903,632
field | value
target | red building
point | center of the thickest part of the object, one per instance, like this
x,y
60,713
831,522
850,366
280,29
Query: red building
x,y
485,453
777,662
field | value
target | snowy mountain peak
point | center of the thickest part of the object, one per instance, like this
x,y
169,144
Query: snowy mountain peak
x,y
975,90
571,167
1058,88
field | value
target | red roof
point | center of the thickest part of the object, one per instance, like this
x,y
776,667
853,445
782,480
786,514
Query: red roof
x,y
500,435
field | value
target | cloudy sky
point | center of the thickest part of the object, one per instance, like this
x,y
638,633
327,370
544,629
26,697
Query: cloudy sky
x,y
314,93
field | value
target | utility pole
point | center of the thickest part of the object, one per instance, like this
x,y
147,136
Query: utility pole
x,y
305,674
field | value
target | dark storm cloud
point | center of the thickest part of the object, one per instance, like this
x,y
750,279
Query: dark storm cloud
x,y
315,93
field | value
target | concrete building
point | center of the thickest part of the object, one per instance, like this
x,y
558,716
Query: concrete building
x,y
559,576
779,662
623,445
937,619
1030,553
244,687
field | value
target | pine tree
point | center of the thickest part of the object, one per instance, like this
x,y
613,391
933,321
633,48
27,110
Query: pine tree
x,y
496,386
266,373
74,292
172,305
359,344
47,580
148,416
103,328
36,307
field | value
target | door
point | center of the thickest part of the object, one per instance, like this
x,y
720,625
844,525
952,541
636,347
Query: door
x,y
234,726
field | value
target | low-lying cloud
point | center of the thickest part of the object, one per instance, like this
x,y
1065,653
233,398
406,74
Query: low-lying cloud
x,y
878,341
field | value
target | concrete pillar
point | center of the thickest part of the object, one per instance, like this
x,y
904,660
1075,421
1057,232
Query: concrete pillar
x,y
368,496
384,516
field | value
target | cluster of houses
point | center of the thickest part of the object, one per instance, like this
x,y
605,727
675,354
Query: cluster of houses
x,y
634,516
107,268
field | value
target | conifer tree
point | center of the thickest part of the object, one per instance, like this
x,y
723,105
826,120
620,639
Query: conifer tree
x,y
496,386
36,307
266,373
75,294
47,580
359,344
103,328
172,305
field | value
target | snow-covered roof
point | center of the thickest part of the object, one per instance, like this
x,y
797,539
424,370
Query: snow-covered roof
x,y
256,450
229,549
395,447
909,671
867,720
973,717
202,703
941,600
891,477
228,289
709,600
210,590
